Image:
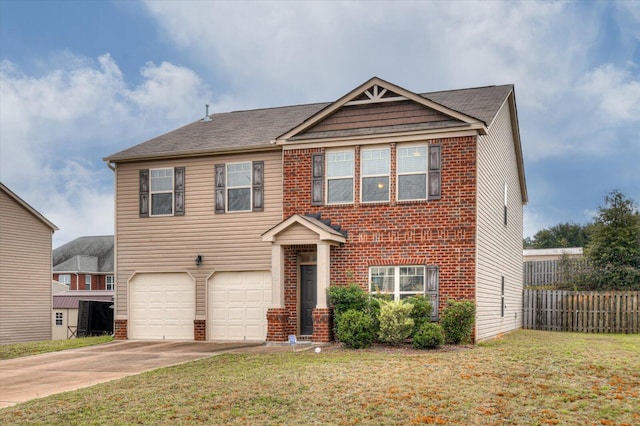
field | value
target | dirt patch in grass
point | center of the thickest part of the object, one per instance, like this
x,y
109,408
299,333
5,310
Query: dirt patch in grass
x,y
527,377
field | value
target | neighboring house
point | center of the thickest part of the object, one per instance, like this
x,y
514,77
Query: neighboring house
x,y
64,318
234,227
25,271
85,263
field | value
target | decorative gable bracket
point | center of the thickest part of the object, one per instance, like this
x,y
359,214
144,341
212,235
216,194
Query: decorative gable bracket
x,y
376,94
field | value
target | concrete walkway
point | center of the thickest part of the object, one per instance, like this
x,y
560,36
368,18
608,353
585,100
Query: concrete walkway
x,y
37,376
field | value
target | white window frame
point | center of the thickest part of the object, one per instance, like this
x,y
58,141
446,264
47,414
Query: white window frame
x,y
164,191
59,319
229,187
65,282
363,176
397,294
109,284
87,281
339,177
425,172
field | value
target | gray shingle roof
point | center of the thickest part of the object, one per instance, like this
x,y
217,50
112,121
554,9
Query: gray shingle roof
x,y
254,129
69,299
85,254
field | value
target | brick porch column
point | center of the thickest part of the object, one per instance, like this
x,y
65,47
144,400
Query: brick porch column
x,y
277,325
322,325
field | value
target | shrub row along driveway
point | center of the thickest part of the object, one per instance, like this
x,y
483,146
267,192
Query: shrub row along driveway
x,y
23,379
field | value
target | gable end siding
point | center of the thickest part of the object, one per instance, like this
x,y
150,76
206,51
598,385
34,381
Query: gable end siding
x,y
499,246
379,115
25,274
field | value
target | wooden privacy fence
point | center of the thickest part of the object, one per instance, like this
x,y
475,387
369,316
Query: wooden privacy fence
x,y
584,311
550,272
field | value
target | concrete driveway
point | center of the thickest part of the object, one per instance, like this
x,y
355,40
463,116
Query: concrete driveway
x,y
23,379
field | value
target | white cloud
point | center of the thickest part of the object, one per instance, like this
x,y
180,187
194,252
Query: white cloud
x,y
615,91
56,127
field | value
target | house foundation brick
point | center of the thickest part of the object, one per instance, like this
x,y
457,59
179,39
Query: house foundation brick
x,y
199,330
322,325
277,325
120,332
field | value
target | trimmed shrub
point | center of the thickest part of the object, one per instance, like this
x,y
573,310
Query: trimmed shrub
x,y
355,329
457,321
428,336
396,323
375,302
343,298
421,312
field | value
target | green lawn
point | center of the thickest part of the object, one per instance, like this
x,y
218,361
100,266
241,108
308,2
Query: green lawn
x,y
17,350
527,377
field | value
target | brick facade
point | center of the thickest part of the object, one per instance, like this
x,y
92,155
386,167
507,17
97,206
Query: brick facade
x,y
435,233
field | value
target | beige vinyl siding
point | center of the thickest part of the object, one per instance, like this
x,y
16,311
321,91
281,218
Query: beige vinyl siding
x,y
25,274
228,241
297,234
499,247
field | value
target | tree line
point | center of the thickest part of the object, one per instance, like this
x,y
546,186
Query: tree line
x,y
611,245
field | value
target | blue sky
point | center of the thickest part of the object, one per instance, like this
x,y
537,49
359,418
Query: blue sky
x,y
83,80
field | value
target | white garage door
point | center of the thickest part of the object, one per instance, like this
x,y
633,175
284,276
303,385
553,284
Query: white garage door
x,y
162,306
237,305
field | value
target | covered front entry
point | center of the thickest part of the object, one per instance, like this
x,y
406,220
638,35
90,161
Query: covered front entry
x,y
299,291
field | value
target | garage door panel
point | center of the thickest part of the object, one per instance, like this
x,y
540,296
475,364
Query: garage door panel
x,y
237,305
162,306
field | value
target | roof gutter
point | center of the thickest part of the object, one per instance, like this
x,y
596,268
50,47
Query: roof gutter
x,y
185,154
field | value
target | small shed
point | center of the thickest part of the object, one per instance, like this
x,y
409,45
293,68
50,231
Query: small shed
x,y
65,310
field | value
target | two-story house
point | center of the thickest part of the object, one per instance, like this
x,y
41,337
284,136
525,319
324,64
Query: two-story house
x,y
234,227
85,263
25,270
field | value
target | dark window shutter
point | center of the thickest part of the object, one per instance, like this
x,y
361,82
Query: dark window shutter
x,y
258,186
220,188
435,171
432,285
144,193
178,179
317,179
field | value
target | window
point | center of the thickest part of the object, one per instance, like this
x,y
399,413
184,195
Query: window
x,y
109,283
239,187
64,279
400,281
505,203
162,192
405,281
59,318
340,177
374,168
87,282
412,173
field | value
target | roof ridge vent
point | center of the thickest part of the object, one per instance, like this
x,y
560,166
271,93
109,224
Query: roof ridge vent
x,y
206,118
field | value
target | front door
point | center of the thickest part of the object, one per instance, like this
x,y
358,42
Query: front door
x,y
308,297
